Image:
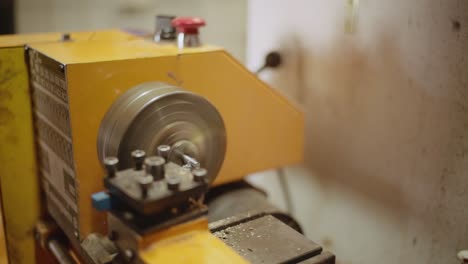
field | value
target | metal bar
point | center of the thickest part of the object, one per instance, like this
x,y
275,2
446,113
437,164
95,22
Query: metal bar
x,y
60,252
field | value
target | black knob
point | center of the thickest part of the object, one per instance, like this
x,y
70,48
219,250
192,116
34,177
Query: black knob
x,y
173,182
155,167
199,175
138,158
272,60
111,166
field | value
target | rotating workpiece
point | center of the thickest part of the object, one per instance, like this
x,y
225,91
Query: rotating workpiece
x,y
153,115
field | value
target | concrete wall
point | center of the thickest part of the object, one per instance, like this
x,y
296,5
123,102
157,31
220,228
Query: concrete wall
x,y
384,85
65,15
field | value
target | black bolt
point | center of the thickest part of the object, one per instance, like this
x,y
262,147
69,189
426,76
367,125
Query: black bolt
x,y
66,37
199,175
138,158
155,167
173,182
145,184
111,166
163,151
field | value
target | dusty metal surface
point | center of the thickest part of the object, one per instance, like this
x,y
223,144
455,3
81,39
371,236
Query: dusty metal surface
x,y
265,239
241,198
224,201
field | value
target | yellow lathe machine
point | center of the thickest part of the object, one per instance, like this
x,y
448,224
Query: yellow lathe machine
x,y
123,149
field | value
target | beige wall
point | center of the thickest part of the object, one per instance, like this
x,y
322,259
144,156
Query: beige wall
x,y
65,15
386,103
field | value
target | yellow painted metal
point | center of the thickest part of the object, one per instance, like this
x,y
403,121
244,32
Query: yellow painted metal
x,y
22,39
191,243
102,51
18,180
264,130
18,175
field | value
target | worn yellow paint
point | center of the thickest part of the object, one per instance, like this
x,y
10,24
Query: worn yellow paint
x,y
100,51
18,180
191,243
264,130
22,39
18,170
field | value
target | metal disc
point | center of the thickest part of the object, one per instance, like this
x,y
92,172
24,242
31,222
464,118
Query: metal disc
x,y
153,114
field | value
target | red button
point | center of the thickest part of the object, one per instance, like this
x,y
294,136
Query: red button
x,y
188,25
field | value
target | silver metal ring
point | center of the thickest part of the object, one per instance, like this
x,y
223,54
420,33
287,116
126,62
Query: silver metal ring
x,y
153,114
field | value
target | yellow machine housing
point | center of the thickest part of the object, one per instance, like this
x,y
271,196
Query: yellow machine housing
x,y
263,129
18,170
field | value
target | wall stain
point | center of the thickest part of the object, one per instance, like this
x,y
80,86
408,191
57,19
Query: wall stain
x,y
456,25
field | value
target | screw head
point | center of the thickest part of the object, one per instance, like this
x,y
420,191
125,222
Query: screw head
x,y
173,182
138,158
111,165
66,37
145,184
199,175
155,167
163,151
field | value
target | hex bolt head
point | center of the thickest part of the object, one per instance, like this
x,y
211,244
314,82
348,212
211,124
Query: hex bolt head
x,y
138,158
173,182
111,166
163,151
145,183
199,175
155,167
